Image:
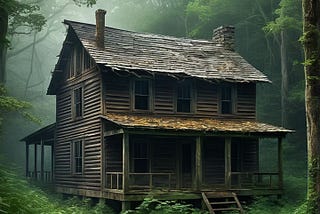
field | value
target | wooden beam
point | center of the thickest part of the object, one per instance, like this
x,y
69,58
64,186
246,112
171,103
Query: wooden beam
x,y
35,161
113,132
42,161
227,162
125,162
52,162
27,159
178,165
198,177
280,166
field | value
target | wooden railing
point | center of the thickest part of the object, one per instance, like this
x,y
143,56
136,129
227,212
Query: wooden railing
x,y
151,180
114,180
47,176
139,180
255,180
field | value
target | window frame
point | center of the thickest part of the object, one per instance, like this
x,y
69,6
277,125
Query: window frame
x,y
149,96
231,100
191,98
75,103
74,158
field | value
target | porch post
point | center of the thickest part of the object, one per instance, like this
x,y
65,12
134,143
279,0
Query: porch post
x,y
42,161
52,161
228,162
27,159
35,161
125,162
198,177
280,168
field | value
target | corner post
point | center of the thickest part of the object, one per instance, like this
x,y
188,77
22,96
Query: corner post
x,y
42,161
228,162
52,161
280,166
35,162
198,177
125,164
27,159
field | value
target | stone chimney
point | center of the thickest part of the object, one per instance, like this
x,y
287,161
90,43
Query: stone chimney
x,y
224,36
100,25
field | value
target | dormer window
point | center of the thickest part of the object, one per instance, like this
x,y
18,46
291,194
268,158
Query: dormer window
x,y
227,99
184,97
141,95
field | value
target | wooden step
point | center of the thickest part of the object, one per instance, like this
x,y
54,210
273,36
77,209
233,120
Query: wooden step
x,y
229,199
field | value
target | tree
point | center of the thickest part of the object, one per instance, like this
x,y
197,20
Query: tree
x,y
311,43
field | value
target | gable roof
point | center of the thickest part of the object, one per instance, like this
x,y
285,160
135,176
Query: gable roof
x,y
207,125
127,50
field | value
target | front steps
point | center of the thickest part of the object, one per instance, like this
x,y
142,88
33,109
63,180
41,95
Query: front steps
x,y
222,202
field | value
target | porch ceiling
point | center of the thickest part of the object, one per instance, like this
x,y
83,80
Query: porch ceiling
x,y
195,124
45,134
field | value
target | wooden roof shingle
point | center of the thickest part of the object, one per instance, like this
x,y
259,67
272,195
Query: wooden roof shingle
x,y
166,54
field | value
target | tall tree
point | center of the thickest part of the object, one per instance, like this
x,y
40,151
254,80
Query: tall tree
x,y
311,43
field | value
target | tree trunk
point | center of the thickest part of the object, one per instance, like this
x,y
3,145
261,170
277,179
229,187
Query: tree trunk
x,y
3,43
284,79
311,43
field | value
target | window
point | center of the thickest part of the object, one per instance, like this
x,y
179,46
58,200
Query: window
x,y
140,157
71,63
226,99
77,157
184,98
78,102
141,95
78,60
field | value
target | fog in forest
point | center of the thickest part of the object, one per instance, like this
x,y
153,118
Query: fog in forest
x,y
266,36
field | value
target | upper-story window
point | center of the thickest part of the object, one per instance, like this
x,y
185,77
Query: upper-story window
x,y
78,102
77,157
141,95
80,60
184,98
227,99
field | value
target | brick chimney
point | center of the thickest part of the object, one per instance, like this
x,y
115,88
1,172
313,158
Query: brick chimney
x,y
100,25
224,36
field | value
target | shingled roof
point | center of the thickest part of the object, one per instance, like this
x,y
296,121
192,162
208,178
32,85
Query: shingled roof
x,y
165,54
243,127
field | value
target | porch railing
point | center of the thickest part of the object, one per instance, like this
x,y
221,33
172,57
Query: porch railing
x,y
47,176
255,180
140,180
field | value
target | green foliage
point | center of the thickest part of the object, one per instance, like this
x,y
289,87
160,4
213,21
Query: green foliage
x,y
11,104
18,196
154,206
88,3
23,17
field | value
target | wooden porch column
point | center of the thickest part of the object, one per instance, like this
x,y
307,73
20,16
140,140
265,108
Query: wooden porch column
x,y
280,167
42,161
27,159
35,161
198,177
227,157
52,161
125,162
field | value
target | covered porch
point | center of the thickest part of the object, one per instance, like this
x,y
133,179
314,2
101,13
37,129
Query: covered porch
x,y
40,154
141,156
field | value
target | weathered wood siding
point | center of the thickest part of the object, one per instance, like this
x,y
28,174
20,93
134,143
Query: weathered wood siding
x,y
113,153
87,129
205,97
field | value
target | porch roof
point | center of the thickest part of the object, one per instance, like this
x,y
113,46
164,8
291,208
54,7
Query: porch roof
x,y
45,134
245,127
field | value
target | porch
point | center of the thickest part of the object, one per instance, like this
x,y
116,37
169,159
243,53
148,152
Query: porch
x,y
141,162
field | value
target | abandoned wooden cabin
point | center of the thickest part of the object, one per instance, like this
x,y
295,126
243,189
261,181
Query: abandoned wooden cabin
x,y
139,113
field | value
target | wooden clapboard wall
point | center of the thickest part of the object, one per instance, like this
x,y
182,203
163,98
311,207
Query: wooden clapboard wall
x,y
119,97
87,128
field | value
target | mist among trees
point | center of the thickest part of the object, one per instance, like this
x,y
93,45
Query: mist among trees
x,y
267,36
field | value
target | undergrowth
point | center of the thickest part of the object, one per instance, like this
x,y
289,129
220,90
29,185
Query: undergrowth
x,y
18,196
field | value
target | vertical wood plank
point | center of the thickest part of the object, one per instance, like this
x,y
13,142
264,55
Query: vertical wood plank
x,y
27,159
198,177
52,160
102,158
42,161
125,164
280,167
178,165
228,162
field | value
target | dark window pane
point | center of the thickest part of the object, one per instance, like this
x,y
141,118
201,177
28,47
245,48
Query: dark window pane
x,y
183,106
141,94
184,98
78,102
226,107
142,87
77,156
141,102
